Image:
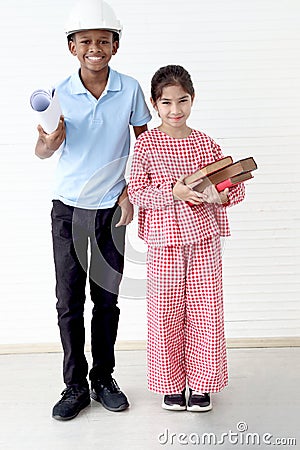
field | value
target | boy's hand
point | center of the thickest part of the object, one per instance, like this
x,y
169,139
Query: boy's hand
x,y
126,209
53,140
213,196
47,144
185,192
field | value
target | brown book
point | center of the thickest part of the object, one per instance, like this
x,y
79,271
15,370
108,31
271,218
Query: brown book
x,y
239,167
209,169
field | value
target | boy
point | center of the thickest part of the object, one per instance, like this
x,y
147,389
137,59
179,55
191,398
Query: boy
x,y
90,202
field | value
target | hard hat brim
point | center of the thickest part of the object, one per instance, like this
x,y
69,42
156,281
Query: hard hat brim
x,y
68,33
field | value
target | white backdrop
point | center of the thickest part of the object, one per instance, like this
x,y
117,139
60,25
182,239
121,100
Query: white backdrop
x,y
244,60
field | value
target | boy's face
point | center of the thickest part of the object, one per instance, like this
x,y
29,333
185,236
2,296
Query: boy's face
x,y
93,48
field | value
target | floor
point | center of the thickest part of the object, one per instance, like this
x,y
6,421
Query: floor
x,y
261,404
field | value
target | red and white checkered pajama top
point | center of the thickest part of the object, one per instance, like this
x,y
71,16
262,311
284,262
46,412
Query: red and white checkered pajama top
x,y
158,161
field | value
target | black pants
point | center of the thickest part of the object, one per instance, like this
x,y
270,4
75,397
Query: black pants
x,y
72,230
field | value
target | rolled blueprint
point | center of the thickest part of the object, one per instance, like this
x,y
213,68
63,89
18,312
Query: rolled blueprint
x,y
47,107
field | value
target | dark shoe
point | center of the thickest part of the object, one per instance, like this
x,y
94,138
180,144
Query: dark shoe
x,y
109,395
199,402
74,399
174,402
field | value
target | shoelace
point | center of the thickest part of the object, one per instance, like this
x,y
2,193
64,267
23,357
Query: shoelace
x,y
70,393
112,386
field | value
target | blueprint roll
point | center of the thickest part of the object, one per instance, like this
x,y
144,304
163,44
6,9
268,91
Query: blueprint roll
x,y
46,105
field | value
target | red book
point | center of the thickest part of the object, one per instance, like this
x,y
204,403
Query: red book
x,y
233,181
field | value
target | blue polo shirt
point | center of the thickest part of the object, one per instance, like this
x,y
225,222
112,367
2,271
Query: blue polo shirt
x,y
90,170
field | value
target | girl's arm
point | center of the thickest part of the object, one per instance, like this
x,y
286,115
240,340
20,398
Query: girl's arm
x,y
140,190
235,194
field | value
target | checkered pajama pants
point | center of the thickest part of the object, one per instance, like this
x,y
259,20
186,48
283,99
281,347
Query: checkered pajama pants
x,y
186,342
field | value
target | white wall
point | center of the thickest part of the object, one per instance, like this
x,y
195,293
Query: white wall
x,y
244,59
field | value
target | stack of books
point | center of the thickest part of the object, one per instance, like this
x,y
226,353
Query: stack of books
x,y
223,173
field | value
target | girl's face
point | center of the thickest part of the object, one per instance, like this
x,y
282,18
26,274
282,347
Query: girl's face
x,y
174,107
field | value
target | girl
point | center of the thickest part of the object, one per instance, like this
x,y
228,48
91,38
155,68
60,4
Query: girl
x,y
186,342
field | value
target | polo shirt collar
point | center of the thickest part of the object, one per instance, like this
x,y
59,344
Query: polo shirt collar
x,y
113,83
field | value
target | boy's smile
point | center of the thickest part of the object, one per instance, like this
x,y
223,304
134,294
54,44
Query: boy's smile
x,y
93,48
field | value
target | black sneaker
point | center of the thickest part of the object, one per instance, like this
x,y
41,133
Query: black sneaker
x,y
109,395
174,402
74,399
199,402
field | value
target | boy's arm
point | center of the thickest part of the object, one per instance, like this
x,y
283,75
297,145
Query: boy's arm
x,y
123,201
139,130
126,209
47,144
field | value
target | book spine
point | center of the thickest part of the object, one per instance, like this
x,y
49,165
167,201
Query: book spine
x,y
224,184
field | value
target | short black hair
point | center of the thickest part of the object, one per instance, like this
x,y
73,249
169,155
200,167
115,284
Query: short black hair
x,y
116,36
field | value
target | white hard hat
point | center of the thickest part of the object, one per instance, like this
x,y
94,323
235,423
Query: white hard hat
x,y
90,15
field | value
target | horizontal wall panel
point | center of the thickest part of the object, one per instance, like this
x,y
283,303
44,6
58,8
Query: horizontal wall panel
x,y
245,65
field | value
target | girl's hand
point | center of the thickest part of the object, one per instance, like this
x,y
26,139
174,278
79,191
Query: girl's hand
x,y
213,196
185,193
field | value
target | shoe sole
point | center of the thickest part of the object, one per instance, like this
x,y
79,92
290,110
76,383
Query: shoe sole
x,y
173,407
99,400
196,408
84,405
